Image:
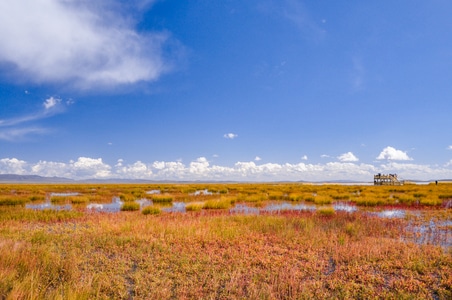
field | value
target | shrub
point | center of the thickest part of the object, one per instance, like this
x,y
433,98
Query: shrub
x,y
326,211
162,198
222,203
151,210
78,199
58,199
127,197
194,206
36,198
319,200
12,200
130,206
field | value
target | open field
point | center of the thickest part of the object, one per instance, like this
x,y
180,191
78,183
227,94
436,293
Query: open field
x,y
225,241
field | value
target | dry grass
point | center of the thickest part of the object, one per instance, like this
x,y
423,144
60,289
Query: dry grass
x,y
211,254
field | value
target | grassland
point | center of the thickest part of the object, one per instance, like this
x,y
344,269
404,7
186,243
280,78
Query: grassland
x,y
210,253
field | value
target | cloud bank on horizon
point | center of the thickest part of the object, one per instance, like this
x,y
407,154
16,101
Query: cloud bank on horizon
x,y
201,169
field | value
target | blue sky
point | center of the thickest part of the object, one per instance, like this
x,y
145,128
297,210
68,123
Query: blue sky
x,y
226,90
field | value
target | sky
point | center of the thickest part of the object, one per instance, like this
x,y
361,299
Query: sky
x,y
256,90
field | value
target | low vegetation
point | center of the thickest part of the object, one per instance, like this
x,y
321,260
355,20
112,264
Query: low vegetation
x,y
210,253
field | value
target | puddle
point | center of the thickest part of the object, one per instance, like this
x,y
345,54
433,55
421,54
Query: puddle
x,y
48,206
143,202
63,194
202,192
431,233
392,213
345,207
272,208
153,192
244,209
288,207
177,207
114,206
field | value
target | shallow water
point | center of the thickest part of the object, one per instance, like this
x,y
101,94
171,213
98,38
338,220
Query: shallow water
x,y
153,192
244,209
49,206
178,207
339,206
63,194
391,213
271,208
202,192
143,202
430,233
114,206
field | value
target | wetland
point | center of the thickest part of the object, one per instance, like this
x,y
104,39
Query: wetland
x,y
269,241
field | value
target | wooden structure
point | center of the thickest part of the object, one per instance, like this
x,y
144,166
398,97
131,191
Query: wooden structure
x,y
386,179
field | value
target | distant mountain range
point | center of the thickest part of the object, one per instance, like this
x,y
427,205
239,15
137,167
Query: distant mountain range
x,y
14,178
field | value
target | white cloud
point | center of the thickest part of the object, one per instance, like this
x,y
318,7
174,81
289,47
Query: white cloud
x,y
391,153
347,157
51,102
78,42
450,147
13,166
230,136
304,157
86,167
257,158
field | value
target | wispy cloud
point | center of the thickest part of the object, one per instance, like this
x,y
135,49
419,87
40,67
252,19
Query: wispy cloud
x,y
16,128
390,153
230,136
79,43
358,74
450,147
14,134
257,158
304,157
296,12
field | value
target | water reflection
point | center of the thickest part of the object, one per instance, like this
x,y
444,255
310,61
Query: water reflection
x,y
48,206
177,207
339,206
431,233
244,209
114,206
153,192
143,202
271,208
202,192
393,213
63,194
278,207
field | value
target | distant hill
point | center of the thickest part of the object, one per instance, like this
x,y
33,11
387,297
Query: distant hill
x,y
14,178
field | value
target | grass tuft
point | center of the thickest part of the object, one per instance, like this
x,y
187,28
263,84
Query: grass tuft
x,y
151,210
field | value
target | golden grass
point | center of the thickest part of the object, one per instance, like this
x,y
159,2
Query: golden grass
x,y
215,255
151,210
